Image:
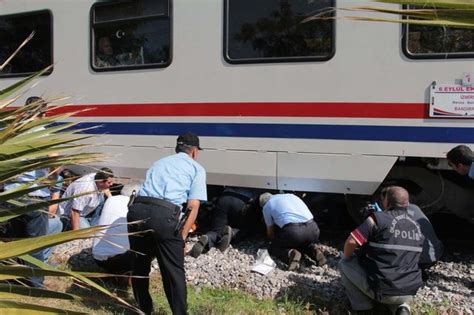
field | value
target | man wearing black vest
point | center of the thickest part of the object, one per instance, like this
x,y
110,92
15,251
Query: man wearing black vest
x,y
385,267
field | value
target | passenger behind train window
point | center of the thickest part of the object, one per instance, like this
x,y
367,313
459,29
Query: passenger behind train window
x,y
133,34
105,53
129,54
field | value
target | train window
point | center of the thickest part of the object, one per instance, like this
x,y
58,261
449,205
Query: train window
x,y
271,31
131,35
431,42
37,54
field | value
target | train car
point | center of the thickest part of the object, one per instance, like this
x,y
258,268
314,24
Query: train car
x,y
328,105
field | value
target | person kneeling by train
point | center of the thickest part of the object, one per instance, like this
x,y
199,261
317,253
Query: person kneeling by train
x,y
291,229
235,217
111,246
385,268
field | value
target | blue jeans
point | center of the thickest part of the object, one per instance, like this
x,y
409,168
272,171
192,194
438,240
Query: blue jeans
x,y
85,222
31,224
35,224
55,226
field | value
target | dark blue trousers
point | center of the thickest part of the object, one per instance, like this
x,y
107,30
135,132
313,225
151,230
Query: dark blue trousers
x,y
162,241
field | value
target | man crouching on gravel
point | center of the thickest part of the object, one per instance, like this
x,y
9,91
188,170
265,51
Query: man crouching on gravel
x,y
291,229
385,268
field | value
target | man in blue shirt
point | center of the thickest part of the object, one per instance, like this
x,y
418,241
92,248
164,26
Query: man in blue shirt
x,y
291,229
169,183
461,158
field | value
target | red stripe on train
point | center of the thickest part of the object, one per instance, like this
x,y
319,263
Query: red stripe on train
x,y
349,110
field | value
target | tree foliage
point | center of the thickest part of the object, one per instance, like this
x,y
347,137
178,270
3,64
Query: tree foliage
x,y
25,143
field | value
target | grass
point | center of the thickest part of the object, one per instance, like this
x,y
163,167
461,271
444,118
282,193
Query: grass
x,y
201,301
211,301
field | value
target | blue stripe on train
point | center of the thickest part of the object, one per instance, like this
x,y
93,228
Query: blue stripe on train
x,y
292,131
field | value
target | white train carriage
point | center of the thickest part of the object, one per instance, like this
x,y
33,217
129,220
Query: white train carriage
x,y
325,106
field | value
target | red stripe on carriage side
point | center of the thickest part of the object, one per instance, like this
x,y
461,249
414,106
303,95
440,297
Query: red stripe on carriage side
x,y
342,110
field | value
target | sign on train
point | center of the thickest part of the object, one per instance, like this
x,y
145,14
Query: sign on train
x,y
452,100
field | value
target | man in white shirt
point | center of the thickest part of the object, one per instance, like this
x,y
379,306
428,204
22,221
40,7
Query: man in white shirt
x,y
111,247
79,212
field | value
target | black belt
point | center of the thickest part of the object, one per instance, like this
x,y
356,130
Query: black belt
x,y
158,202
297,224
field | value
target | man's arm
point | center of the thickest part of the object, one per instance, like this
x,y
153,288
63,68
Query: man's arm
x,y
270,232
75,219
53,209
349,246
193,204
107,193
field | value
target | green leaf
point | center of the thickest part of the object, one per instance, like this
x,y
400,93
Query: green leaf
x,y
20,84
20,271
17,307
19,290
19,192
446,13
9,170
28,245
22,208
82,278
26,140
30,37
432,17
454,4
38,147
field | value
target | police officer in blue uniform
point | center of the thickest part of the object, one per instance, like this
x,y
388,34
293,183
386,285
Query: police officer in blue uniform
x,y
386,267
169,183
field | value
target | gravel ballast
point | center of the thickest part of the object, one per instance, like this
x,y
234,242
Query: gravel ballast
x,y
449,289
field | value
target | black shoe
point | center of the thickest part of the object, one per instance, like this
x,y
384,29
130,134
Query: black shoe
x,y
226,238
318,256
402,310
294,261
198,248
424,275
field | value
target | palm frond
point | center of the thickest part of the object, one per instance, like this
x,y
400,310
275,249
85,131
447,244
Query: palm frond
x,y
9,272
454,4
446,13
81,278
27,140
13,306
12,89
28,245
6,62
